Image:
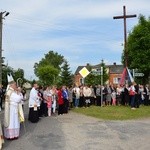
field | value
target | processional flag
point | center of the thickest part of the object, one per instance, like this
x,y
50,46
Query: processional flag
x,y
126,75
123,77
130,76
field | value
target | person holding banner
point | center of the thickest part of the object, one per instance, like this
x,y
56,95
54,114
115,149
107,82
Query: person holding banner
x,y
11,112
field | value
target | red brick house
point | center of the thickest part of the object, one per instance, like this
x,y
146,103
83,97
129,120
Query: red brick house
x,y
114,71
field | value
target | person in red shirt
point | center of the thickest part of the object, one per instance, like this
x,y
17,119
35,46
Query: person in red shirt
x,y
60,102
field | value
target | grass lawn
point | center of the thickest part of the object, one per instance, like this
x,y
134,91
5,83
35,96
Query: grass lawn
x,y
115,112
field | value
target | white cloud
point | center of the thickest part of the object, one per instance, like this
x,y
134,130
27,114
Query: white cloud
x,y
74,28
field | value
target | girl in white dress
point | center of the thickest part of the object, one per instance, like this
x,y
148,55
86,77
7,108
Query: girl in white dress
x,y
54,99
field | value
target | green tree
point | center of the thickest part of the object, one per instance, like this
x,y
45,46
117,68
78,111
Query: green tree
x,y
49,68
94,78
66,76
51,58
138,47
47,74
19,76
19,73
104,73
5,71
90,79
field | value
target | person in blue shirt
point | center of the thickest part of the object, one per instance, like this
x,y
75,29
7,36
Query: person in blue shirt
x,y
65,98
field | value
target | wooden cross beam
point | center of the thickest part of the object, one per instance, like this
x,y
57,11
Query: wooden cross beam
x,y
124,17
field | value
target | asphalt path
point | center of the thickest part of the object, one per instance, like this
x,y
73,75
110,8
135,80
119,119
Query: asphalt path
x,y
78,132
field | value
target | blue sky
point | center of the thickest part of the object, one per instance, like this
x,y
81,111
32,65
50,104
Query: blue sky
x,y
83,31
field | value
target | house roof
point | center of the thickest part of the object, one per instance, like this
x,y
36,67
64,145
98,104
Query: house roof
x,y
118,69
78,69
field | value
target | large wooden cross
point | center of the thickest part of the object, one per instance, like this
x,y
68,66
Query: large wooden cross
x,y
124,17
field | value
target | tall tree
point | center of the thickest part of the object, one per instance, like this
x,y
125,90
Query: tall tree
x,y
139,47
16,74
19,73
51,58
5,71
47,74
66,76
49,67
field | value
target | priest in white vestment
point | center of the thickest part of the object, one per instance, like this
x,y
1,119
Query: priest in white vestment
x,y
11,113
34,104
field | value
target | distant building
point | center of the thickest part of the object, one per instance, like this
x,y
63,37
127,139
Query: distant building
x,y
27,85
114,71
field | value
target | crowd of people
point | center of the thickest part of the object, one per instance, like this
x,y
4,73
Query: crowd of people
x,y
51,100
44,101
132,95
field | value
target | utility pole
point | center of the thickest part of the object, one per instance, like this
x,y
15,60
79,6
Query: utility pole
x,y
1,18
1,26
124,17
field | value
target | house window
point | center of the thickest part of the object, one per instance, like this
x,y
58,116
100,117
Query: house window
x,y
116,80
98,70
81,81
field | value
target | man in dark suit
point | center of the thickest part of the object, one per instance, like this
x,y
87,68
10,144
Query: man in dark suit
x,y
146,95
137,96
2,93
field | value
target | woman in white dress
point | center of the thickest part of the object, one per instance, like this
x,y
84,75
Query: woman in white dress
x,y
11,113
54,98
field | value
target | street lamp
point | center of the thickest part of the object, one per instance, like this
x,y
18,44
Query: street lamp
x,y
6,14
2,16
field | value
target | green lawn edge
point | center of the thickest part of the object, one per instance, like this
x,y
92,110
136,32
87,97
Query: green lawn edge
x,y
115,112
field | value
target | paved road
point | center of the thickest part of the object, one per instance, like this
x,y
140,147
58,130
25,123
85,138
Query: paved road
x,y
89,133
74,131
